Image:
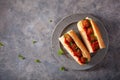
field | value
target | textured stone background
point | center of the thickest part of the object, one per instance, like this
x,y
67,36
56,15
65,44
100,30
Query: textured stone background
x,y
22,21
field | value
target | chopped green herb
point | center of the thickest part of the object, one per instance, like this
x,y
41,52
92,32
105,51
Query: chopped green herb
x,y
76,48
50,20
37,61
92,34
93,37
60,52
71,43
63,68
90,26
21,57
84,19
34,42
1,44
86,62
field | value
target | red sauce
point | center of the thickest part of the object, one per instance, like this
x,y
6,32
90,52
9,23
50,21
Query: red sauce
x,y
90,35
83,60
95,45
75,49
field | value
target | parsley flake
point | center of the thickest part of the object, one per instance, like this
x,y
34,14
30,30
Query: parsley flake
x,y
34,42
50,20
60,52
1,44
37,61
63,68
21,57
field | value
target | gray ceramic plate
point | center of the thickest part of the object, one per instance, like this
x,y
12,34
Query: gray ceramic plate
x,y
67,24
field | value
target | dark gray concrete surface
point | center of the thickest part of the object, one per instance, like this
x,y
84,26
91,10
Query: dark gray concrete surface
x,y
22,21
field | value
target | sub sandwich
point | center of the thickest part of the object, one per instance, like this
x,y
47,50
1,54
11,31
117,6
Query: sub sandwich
x,y
91,34
75,47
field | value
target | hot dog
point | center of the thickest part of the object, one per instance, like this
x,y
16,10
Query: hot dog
x,y
90,34
75,47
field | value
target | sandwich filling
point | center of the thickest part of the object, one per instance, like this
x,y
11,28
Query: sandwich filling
x,y
75,49
90,34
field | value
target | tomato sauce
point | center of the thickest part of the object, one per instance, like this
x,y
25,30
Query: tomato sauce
x,y
77,52
90,35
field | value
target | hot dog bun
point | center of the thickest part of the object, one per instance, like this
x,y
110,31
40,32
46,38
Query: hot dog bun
x,y
96,33
78,42
84,36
